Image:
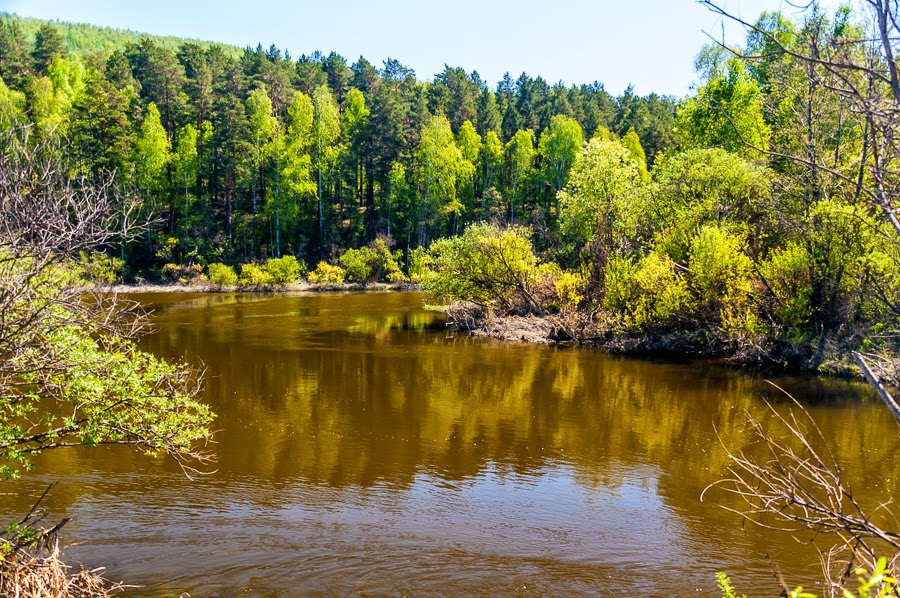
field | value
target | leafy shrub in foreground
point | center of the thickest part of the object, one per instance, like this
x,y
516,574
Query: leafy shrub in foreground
x,y
372,263
285,270
254,275
327,274
222,275
99,267
487,265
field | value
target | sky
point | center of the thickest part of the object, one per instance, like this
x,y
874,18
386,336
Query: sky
x,y
650,44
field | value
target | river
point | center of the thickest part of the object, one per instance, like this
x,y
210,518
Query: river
x,y
362,449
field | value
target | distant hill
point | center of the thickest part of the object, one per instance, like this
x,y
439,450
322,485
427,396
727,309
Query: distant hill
x,y
82,38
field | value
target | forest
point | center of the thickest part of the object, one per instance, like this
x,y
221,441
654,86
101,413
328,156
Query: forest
x,y
738,221
246,155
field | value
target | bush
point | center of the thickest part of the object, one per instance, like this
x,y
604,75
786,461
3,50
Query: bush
x,y
99,267
569,289
419,262
720,277
719,267
222,275
326,274
397,277
183,274
254,275
285,270
649,294
356,265
559,290
373,263
487,265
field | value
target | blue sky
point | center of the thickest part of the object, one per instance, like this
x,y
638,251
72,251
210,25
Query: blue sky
x,y
648,43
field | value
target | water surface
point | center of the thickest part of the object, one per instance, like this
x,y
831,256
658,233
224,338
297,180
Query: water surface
x,y
364,450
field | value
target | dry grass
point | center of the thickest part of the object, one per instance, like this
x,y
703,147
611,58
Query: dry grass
x,y
31,564
43,574
797,486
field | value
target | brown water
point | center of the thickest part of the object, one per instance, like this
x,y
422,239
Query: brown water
x,y
364,450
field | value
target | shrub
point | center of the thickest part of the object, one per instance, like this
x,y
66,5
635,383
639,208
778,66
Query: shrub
x,y
99,267
419,262
222,275
183,274
372,263
719,268
397,277
649,294
285,270
662,294
620,291
786,273
487,265
570,290
559,290
327,274
254,275
356,265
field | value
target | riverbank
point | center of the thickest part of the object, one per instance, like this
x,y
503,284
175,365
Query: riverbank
x,y
295,287
823,357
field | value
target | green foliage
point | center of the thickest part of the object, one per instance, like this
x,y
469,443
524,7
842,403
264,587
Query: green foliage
x,y
419,265
397,277
721,280
284,270
327,275
12,106
487,265
183,273
48,46
83,39
356,265
93,386
724,583
315,158
221,275
558,147
520,156
878,583
696,188
570,288
254,275
567,288
98,267
632,143
442,168
719,267
603,176
355,112
726,113
649,294
290,157
152,151
373,263
786,273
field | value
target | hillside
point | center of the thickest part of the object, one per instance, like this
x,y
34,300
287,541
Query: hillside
x,y
82,38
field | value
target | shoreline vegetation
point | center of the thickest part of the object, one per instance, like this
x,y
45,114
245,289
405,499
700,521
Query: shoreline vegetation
x,y
570,329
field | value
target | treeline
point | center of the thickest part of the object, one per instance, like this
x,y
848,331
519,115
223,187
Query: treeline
x,y
754,218
243,157
767,233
